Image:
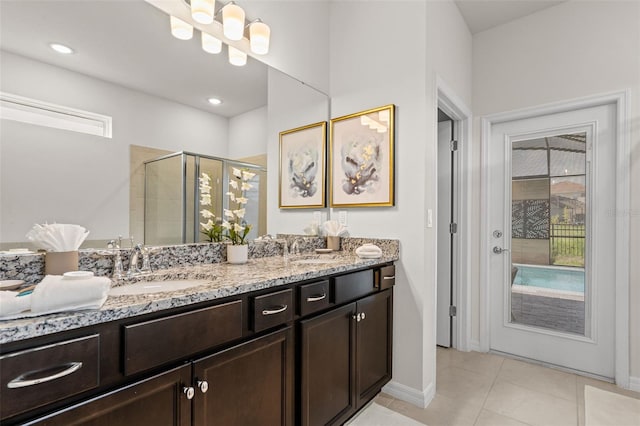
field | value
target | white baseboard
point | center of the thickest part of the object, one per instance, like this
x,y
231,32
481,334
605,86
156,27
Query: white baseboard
x,y
474,345
412,396
634,383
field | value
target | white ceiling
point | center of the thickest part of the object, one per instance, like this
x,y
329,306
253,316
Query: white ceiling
x,y
481,15
129,43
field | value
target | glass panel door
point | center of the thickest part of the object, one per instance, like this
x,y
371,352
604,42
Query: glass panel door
x,y
548,232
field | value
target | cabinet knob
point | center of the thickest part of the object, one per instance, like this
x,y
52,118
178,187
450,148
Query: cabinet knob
x,y
362,316
203,385
189,392
357,317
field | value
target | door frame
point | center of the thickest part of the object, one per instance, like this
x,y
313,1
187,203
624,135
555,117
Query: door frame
x,y
620,100
449,102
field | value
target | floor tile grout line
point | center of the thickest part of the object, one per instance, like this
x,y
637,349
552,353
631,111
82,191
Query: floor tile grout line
x,y
493,382
509,417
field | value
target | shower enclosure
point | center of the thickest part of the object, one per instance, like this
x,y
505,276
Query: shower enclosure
x,y
172,210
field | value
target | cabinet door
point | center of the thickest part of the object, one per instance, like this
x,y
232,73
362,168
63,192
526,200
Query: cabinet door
x,y
249,384
159,401
374,343
327,367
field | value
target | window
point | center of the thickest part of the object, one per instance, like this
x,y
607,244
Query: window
x,y
25,110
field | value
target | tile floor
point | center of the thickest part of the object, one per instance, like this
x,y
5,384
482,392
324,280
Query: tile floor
x,y
489,390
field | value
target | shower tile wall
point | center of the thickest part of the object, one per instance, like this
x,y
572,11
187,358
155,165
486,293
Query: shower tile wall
x,y
137,156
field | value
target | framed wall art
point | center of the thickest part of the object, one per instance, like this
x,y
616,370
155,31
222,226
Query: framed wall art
x,y
361,163
302,166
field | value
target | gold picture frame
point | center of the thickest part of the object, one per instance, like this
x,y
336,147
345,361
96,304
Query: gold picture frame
x,y
361,158
302,167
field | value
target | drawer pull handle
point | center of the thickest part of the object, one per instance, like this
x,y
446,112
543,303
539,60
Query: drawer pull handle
x,y
20,382
274,311
392,277
317,298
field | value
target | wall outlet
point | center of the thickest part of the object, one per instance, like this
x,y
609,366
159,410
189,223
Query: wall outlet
x,y
342,217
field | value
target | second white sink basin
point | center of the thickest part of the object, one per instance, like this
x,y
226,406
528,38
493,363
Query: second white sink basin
x,y
148,287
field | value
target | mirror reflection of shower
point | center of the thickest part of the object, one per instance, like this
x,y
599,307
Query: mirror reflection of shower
x,y
172,210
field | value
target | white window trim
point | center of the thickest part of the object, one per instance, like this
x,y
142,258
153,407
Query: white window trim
x,y
32,111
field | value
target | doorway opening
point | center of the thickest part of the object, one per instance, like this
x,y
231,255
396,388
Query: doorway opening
x,y
446,224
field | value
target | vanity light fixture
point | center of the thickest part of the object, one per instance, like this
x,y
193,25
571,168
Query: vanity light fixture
x,y
210,44
202,11
61,48
237,57
233,29
180,29
214,101
233,21
259,35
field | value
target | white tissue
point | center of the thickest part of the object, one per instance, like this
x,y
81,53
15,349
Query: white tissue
x,y
369,251
333,228
11,305
57,237
56,294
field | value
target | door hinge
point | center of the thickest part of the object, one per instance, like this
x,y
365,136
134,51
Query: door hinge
x,y
452,311
454,145
453,228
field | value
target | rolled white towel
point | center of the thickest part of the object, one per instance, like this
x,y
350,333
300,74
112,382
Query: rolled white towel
x,y
56,294
369,251
10,304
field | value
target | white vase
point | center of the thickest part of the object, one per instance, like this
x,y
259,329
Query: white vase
x,y
237,253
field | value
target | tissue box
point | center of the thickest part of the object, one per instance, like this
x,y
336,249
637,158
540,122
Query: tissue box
x,y
57,263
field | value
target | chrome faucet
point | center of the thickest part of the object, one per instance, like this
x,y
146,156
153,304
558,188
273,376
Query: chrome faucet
x,y
136,252
295,247
118,268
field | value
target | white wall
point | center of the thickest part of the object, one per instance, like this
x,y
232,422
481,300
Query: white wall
x,y
299,42
57,175
248,134
568,51
390,52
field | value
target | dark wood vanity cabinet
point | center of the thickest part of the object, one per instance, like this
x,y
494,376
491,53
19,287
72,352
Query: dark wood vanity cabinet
x,y
310,353
345,359
160,400
249,384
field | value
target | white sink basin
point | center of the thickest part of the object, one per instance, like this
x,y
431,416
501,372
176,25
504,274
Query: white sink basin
x,y
313,261
148,287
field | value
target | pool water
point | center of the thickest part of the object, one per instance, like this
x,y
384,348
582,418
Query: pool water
x,y
554,278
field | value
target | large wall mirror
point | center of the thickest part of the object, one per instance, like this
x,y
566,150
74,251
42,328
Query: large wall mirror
x,y
127,66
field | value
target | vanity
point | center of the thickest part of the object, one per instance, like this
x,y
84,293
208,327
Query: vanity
x,y
277,341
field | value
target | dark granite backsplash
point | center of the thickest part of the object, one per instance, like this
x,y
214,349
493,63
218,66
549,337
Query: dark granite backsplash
x,y
30,267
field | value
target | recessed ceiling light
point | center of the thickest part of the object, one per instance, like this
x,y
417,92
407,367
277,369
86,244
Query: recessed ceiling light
x,y
214,101
61,48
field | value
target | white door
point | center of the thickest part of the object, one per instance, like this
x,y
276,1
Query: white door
x,y
551,194
444,218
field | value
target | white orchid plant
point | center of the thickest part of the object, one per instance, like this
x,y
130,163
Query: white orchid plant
x,y
210,228
235,224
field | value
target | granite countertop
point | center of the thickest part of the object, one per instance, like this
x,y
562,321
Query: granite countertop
x,y
221,280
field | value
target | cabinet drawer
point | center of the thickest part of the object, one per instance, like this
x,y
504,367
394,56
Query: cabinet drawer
x,y
272,309
41,375
352,286
387,277
153,343
313,297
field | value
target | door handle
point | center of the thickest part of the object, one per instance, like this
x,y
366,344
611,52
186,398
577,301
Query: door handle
x,y
499,250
